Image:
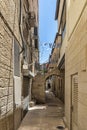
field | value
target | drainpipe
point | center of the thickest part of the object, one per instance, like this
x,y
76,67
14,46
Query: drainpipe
x,y
20,30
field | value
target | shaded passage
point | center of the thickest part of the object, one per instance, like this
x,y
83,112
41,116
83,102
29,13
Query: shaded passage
x,y
44,117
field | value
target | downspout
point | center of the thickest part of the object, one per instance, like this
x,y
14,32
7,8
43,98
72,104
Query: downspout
x,y
61,15
20,14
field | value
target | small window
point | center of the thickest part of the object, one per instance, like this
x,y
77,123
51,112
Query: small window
x,y
35,31
36,43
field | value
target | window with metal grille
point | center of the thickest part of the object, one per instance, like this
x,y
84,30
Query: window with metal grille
x,y
16,59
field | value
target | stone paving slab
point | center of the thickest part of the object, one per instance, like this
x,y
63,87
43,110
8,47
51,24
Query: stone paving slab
x,y
44,117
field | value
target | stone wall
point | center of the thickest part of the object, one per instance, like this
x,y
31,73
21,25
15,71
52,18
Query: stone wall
x,y
18,116
58,87
76,63
8,31
38,89
10,107
73,15
10,12
6,71
6,123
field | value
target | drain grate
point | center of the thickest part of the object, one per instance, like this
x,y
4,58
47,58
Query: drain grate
x,y
60,127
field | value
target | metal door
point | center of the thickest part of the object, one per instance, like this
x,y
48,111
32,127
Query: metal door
x,y
74,103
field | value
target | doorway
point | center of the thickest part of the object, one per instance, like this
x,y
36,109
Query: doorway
x,y
74,102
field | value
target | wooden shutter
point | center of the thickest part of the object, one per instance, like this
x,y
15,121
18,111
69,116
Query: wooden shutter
x,y
16,59
75,99
25,90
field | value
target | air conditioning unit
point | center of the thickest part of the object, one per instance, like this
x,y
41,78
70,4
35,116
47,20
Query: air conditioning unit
x,y
25,66
25,69
32,19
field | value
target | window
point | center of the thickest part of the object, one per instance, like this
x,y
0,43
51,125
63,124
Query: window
x,y
36,43
35,31
25,89
36,34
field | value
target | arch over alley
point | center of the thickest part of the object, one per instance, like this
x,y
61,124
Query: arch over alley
x,y
52,72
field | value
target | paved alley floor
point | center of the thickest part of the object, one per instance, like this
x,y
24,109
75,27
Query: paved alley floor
x,y
44,117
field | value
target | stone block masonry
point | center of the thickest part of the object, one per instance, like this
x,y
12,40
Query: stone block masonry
x,y
6,71
9,11
38,89
76,64
10,110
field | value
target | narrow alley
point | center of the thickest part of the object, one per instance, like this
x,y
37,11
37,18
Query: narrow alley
x,y
45,117
43,64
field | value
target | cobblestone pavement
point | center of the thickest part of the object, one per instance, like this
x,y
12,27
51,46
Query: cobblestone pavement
x,y
45,117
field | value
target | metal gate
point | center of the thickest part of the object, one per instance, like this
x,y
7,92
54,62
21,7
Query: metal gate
x,y
74,103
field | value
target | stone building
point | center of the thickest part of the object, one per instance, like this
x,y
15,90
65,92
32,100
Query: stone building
x,y
57,58
72,59
58,80
76,65
18,56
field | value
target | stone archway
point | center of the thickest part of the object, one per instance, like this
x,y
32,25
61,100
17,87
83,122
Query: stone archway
x,y
52,72
58,83
48,79
38,86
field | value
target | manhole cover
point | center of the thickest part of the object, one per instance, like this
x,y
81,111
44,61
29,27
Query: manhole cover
x,y
60,127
